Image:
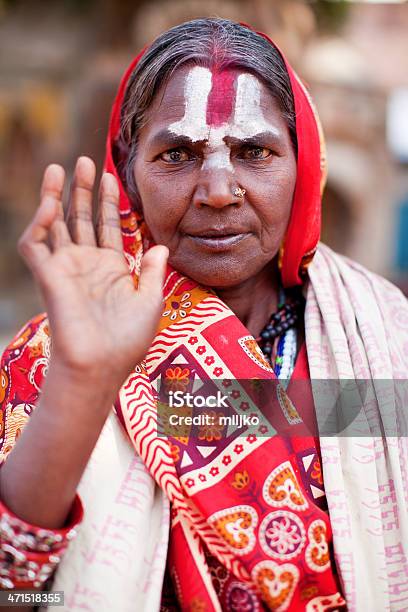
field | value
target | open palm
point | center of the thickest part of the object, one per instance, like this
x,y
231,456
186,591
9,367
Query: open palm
x,y
99,321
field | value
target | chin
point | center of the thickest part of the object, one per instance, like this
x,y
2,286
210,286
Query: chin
x,y
219,275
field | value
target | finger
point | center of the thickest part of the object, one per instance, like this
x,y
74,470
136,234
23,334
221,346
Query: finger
x,y
52,188
108,221
153,271
53,182
32,245
79,216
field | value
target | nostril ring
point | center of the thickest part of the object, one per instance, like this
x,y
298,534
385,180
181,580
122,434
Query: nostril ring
x,y
239,192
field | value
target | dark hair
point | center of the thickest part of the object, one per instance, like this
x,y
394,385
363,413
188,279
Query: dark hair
x,y
204,42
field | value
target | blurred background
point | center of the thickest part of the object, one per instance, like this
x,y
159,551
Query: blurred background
x,y
60,63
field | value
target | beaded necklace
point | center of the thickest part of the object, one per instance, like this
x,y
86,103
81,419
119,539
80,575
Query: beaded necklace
x,y
282,325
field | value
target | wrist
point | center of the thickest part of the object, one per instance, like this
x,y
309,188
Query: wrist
x,y
89,385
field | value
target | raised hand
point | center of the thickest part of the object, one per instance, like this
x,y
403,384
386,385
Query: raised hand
x,y
101,325
101,328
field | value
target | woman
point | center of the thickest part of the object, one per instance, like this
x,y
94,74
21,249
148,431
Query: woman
x,y
214,152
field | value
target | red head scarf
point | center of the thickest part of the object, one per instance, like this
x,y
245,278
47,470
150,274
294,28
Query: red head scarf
x,y
303,230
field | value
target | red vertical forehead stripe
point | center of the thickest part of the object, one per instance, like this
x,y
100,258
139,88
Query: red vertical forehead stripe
x,y
221,99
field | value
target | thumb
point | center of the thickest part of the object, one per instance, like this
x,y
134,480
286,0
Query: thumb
x,y
153,270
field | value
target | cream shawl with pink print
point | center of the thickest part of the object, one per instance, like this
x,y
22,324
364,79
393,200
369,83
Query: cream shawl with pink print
x,y
356,328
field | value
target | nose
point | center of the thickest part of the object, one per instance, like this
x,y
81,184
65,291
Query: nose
x,y
216,188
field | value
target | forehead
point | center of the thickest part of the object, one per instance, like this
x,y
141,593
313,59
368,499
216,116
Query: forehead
x,y
218,91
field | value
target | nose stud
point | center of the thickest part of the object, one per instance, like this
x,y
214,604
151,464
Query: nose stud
x,y
239,192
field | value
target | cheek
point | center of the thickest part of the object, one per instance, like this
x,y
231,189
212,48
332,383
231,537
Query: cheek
x,y
163,204
285,189
274,195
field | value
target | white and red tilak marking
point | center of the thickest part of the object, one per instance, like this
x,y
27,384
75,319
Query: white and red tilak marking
x,y
221,104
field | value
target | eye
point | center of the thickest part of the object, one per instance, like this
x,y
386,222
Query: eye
x,y
174,156
256,153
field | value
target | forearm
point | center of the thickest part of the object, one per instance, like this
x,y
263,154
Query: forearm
x,y
51,454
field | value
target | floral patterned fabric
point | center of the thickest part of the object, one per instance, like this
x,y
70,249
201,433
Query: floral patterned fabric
x,y
271,539
28,553
263,525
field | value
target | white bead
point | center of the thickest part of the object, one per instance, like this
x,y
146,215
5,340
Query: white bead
x,y
288,354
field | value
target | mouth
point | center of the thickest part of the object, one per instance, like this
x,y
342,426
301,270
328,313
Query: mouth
x,y
218,241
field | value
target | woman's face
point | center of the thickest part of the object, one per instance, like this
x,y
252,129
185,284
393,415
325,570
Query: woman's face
x,y
207,134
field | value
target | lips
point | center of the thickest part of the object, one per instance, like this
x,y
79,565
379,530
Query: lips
x,y
218,239
220,231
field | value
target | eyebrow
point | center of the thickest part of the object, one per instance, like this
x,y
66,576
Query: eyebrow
x,y
170,139
166,138
260,139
